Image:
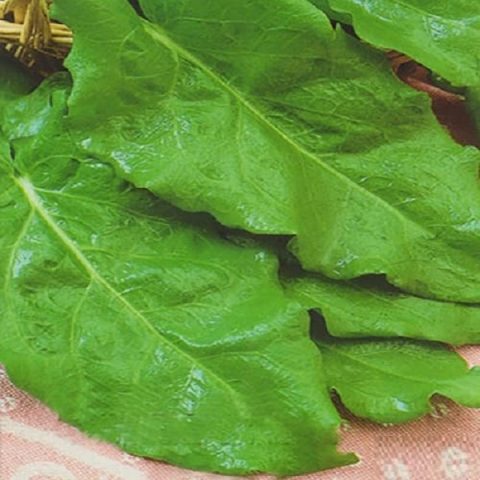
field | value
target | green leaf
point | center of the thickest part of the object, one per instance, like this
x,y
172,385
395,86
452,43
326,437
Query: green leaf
x,y
261,114
368,308
393,381
144,329
443,35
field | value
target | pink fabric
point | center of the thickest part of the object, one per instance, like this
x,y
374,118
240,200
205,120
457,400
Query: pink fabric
x,y
35,445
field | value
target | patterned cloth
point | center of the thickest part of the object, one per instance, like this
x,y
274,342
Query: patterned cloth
x,y
35,445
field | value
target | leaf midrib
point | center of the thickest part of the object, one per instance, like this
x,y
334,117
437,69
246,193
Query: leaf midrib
x,y
168,42
36,204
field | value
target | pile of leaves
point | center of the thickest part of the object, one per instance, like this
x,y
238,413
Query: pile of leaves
x,y
224,210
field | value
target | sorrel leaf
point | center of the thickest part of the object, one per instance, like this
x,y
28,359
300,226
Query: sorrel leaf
x,y
443,35
393,381
369,308
261,114
144,329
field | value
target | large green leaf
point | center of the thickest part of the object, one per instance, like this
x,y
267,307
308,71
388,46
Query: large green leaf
x,y
444,35
368,308
393,381
261,114
143,329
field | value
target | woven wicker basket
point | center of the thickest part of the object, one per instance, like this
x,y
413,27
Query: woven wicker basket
x,y
27,33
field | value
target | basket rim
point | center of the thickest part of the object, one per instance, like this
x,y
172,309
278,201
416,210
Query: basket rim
x,y
28,33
